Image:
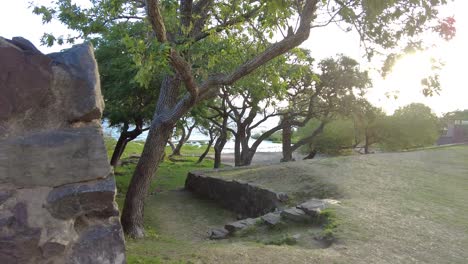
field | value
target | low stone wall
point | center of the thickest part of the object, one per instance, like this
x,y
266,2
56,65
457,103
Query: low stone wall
x,y
56,186
243,198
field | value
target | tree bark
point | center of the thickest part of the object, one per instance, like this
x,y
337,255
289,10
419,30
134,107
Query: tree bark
x,y
125,137
247,157
219,146
153,152
222,139
118,150
311,155
176,150
183,138
171,145
286,140
366,144
203,155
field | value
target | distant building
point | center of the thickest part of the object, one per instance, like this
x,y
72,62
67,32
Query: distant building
x,y
455,132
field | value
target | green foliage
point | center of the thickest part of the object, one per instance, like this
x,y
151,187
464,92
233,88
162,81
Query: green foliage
x,y
336,138
286,239
126,99
171,174
330,224
450,117
276,137
412,126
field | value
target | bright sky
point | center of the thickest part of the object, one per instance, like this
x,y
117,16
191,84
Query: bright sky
x,y
17,20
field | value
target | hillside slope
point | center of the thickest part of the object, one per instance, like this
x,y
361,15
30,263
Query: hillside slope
x,y
395,207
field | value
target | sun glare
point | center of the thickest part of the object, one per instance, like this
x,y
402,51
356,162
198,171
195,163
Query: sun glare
x,y
403,85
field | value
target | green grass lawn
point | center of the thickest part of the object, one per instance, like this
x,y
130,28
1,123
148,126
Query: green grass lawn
x,y
395,208
170,175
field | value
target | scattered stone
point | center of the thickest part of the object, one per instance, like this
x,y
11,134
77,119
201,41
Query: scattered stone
x,y
271,219
282,197
295,215
312,207
241,224
218,233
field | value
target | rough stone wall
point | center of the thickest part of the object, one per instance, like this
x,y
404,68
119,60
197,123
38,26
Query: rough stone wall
x,y
243,198
56,186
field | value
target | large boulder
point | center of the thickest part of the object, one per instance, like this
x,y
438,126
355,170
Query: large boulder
x,y
57,191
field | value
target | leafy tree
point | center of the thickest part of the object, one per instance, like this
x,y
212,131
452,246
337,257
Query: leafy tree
x,y
183,130
189,39
369,124
341,83
220,119
449,117
128,103
410,127
336,138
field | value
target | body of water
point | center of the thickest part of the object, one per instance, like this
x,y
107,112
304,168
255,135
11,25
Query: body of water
x,y
196,137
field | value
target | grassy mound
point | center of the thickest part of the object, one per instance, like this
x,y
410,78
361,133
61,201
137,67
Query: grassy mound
x,y
395,208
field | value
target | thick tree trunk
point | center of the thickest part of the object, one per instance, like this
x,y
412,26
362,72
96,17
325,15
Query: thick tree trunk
x,y
237,150
151,157
247,157
153,152
219,146
220,143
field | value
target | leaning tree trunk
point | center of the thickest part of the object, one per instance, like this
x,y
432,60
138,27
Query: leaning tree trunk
x,y
311,154
125,137
151,157
171,145
118,149
203,155
219,146
176,150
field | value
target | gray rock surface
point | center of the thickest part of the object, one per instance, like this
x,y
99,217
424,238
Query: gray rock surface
x,y
219,233
271,219
313,207
295,215
240,225
56,186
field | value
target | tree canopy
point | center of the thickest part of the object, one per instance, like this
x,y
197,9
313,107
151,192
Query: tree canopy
x,y
201,46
